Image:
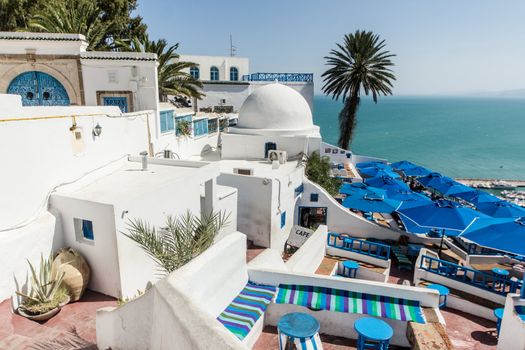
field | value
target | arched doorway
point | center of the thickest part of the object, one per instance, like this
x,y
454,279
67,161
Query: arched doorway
x,y
39,89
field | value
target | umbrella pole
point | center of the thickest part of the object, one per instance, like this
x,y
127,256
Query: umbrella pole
x,y
441,245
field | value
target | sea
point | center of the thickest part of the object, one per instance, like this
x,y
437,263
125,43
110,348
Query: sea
x,y
457,136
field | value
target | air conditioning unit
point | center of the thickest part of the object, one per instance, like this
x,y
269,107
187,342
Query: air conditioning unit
x,y
278,155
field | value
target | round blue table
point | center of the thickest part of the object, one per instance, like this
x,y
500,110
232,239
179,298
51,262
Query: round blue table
x,y
350,268
443,293
298,326
499,315
500,274
372,332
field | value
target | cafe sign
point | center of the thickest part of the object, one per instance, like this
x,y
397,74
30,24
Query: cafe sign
x,y
298,236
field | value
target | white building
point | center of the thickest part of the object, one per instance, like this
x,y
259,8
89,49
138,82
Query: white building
x,y
228,82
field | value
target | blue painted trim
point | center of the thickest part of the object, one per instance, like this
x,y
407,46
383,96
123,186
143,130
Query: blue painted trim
x,y
284,77
372,249
470,276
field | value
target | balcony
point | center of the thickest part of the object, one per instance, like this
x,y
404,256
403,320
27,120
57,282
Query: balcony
x,y
282,77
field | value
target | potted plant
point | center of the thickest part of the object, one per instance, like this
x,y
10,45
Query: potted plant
x,y
184,128
47,294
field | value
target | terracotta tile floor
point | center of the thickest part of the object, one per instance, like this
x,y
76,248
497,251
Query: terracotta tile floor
x,y
252,251
467,332
74,324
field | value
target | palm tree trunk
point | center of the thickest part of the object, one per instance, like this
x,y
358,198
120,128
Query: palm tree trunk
x,y
348,121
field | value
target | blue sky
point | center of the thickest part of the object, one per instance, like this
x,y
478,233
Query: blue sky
x,y
443,46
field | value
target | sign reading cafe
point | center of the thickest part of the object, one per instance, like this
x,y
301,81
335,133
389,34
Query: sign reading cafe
x,y
299,235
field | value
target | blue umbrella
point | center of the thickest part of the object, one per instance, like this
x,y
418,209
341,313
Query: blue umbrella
x,y
477,196
373,171
359,188
506,235
404,195
373,164
441,214
387,183
501,209
371,203
426,180
451,188
402,165
416,171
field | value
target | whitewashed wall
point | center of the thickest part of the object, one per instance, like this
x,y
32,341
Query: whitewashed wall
x,y
40,156
512,332
308,258
222,62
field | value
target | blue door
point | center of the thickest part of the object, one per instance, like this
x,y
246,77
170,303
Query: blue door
x,y
39,89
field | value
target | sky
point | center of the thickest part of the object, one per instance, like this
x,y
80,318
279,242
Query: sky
x,y
442,47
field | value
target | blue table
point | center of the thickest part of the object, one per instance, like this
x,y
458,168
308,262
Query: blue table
x,y
350,268
373,333
443,293
499,315
298,328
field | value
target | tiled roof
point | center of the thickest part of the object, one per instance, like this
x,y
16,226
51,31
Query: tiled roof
x,y
41,36
126,56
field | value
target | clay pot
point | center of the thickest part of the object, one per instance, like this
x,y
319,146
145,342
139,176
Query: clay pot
x,y
76,271
46,316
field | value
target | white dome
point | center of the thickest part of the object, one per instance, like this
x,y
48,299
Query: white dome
x,y
276,107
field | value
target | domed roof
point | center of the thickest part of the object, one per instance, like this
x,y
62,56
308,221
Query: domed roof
x,y
275,106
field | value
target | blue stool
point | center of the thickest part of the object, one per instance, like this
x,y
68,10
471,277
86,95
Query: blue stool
x,y
499,315
298,329
373,333
350,268
443,293
499,274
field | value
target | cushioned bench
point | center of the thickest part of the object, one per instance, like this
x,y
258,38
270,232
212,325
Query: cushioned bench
x,y
403,262
244,311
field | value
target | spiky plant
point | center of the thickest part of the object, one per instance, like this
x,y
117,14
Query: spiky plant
x,y
182,239
46,290
361,64
172,77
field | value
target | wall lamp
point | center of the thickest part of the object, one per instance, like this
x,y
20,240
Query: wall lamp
x,y
97,130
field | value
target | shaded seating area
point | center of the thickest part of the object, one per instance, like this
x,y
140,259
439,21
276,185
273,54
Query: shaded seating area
x,y
330,299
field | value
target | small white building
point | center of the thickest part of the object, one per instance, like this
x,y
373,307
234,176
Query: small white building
x,y
228,82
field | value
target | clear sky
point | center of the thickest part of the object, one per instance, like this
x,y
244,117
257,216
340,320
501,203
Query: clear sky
x,y
442,46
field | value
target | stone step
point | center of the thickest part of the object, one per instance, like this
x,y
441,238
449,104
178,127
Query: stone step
x,y
428,336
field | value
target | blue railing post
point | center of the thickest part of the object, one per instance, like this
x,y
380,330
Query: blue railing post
x,y
522,290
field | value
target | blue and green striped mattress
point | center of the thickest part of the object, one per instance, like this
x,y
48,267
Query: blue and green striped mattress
x,y
240,316
321,298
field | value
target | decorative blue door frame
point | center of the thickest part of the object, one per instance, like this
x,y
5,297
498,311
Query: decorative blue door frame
x,y
39,89
120,102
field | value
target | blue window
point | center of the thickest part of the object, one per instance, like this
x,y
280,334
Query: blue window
x,y
167,123
268,146
200,127
195,73
87,230
234,74
120,102
283,219
214,73
314,197
185,118
299,190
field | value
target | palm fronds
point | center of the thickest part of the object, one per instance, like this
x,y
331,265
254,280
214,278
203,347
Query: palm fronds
x,y
182,239
361,63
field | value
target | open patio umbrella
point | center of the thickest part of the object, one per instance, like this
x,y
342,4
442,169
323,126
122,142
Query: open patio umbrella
x,y
451,188
402,165
426,180
373,164
359,188
387,183
404,195
374,171
507,235
501,209
439,215
476,197
371,203
416,171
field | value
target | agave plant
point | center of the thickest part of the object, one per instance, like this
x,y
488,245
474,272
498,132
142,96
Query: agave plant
x,y
182,239
46,291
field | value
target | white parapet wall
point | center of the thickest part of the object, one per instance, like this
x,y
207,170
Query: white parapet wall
x,y
512,331
364,273
179,312
308,258
339,323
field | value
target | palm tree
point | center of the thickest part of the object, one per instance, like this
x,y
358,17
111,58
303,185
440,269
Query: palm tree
x,y
360,64
172,78
75,16
182,239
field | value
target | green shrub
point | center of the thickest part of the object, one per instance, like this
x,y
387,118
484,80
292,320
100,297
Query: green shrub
x,y
318,170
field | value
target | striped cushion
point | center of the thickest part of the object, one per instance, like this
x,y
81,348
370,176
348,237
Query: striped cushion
x,y
240,316
322,298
